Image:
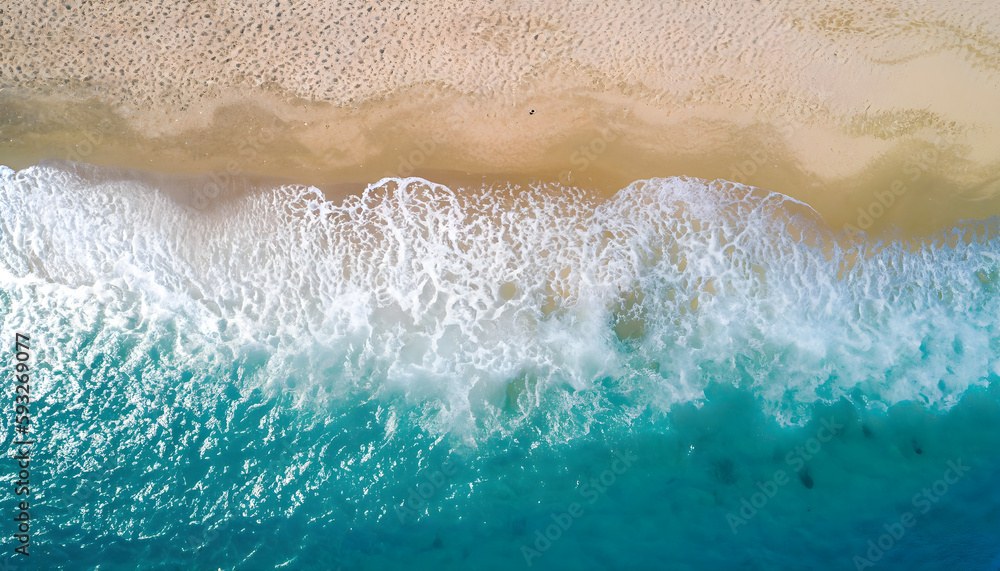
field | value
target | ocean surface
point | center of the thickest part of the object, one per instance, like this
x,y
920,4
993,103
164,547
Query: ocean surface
x,y
689,375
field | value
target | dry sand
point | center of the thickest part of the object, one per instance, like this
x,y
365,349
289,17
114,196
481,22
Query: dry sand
x,y
829,102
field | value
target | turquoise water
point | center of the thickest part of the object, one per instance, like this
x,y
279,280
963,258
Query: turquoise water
x,y
691,375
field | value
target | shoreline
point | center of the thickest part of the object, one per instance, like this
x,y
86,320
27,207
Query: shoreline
x,y
597,144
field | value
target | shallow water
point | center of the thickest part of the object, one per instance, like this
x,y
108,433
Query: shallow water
x,y
688,375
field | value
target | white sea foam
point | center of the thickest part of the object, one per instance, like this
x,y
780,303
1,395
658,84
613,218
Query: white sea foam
x,y
480,310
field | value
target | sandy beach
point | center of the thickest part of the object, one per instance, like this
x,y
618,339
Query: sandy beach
x,y
829,103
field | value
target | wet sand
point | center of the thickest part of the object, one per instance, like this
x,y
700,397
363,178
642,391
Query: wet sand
x,y
891,110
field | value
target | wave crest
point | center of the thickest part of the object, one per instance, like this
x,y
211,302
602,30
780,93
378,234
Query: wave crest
x,y
479,311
